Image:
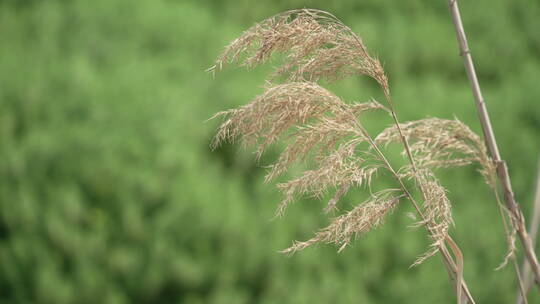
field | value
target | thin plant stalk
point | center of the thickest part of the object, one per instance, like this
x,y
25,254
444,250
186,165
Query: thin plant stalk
x,y
489,137
519,274
533,230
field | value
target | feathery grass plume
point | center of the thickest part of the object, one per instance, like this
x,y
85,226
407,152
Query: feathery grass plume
x,y
320,125
321,135
316,44
359,220
264,120
341,169
443,143
437,212
324,131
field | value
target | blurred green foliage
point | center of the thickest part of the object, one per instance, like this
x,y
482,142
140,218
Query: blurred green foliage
x,y
110,194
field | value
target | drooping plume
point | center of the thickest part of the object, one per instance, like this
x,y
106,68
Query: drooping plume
x,y
316,45
354,223
326,133
317,125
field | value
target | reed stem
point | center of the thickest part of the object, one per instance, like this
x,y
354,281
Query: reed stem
x,y
489,137
533,230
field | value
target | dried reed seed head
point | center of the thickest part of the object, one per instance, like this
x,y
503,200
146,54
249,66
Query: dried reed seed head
x,y
359,220
320,137
315,43
437,212
320,118
318,46
442,143
320,127
339,170
271,113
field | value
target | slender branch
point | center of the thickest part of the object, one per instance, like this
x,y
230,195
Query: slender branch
x,y
459,276
522,293
533,230
489,137
510,255
511,244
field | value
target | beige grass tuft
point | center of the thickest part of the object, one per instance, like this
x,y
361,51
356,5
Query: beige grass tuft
x,y
322,129
326,133
359,220
316,45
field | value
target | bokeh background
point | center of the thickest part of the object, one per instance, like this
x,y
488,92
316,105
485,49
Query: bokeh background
x,y
109,192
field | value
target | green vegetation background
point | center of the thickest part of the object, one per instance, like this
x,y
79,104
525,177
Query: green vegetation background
x,y
109,192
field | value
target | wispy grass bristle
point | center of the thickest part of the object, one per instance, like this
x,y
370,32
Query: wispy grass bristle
x,y
354,223
437,212
441,143
316,45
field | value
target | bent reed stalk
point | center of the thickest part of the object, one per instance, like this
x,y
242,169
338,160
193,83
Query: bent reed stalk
x,y
326,133
514,211
533,231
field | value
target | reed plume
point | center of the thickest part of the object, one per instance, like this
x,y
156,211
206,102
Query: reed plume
x,y
317,46
326,132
